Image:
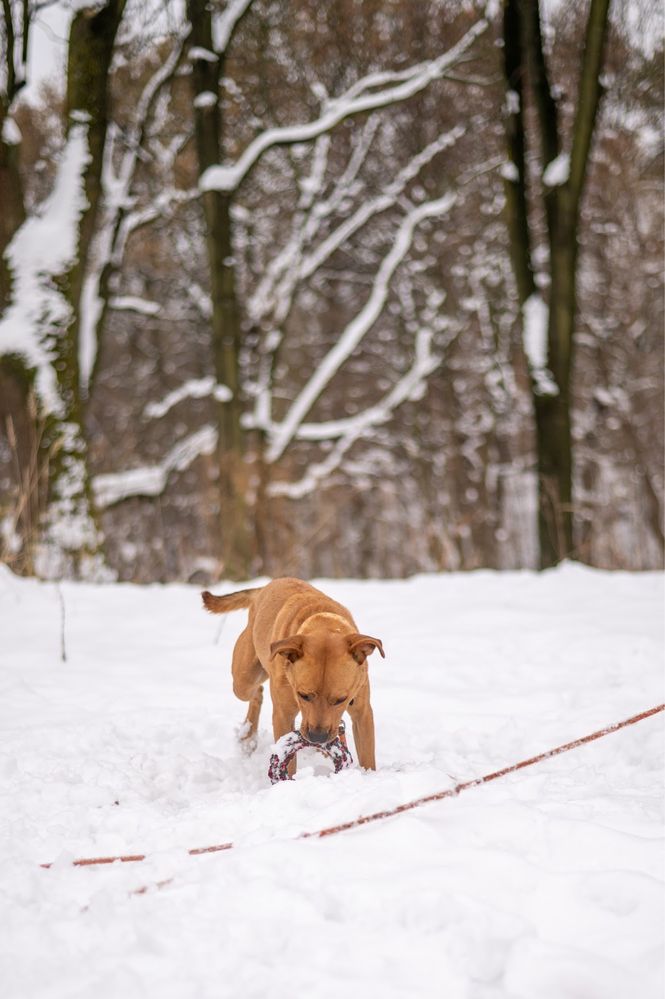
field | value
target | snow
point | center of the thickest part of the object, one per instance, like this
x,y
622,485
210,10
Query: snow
x,y
198,52
195,388
11,133
509,171
151,480
557,172
535,316
91,311
512,105
535,331
604,397
42,248
547,883
224,24
47,49
134,303
206,99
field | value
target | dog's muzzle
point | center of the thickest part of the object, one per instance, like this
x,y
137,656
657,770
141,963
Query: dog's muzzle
x,y
319,736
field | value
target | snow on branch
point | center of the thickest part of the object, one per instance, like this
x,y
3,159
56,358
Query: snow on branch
x,y
159,207
224,24
199,52
299,258
134,303
151,480
195,388
274,294
380,203
11,133
361,97
293,264
348,431
111,236
275,290
347,178
535,319
282,434
557,172
293,268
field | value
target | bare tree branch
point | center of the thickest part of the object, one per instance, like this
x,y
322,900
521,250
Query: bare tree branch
x,y
354,101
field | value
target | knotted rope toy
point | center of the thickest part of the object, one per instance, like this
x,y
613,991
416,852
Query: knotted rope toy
x,y
291,743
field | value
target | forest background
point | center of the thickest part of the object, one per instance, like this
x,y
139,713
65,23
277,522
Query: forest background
x,y
354,288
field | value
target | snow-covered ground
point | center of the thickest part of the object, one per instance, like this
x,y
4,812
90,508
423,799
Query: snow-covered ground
x,y
547,884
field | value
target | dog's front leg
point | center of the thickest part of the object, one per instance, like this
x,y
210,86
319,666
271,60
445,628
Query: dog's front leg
x,y
362,718
284,711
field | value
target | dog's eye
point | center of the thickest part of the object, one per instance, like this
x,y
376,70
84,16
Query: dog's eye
x,y
304,697
340,700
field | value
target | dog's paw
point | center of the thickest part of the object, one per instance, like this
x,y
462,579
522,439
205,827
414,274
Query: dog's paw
x,y
247,738
248,744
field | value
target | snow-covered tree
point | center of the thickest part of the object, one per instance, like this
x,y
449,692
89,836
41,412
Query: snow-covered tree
x,y
548,324
45,262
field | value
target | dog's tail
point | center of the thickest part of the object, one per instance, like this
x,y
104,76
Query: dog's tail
x,y
229,601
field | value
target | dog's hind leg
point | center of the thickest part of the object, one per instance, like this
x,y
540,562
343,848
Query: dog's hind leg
x,y
248,677
251,724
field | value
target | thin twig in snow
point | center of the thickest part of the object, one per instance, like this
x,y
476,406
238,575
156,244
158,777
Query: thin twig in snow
x,y
63,645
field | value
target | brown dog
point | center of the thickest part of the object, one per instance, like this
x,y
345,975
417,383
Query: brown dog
x,y
309,648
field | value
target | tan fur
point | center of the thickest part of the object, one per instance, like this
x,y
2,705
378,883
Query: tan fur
x,y
303,643
229,602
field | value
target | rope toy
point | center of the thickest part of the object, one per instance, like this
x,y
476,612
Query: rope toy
x,y
286,748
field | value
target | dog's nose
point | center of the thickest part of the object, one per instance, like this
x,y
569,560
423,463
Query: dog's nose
x,y
318,735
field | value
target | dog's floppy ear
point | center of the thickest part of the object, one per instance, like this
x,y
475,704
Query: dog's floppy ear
x,y
361,646
290,648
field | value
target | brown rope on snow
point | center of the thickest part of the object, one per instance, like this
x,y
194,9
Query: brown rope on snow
x,y
452,792
362,820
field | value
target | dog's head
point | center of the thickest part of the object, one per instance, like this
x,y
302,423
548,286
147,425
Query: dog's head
x,y
326,671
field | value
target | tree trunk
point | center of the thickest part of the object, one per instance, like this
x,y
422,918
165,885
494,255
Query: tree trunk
x,y
237,541
524,63
12,212
73,541
553,411
15,378
517,211
69,541
12,209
